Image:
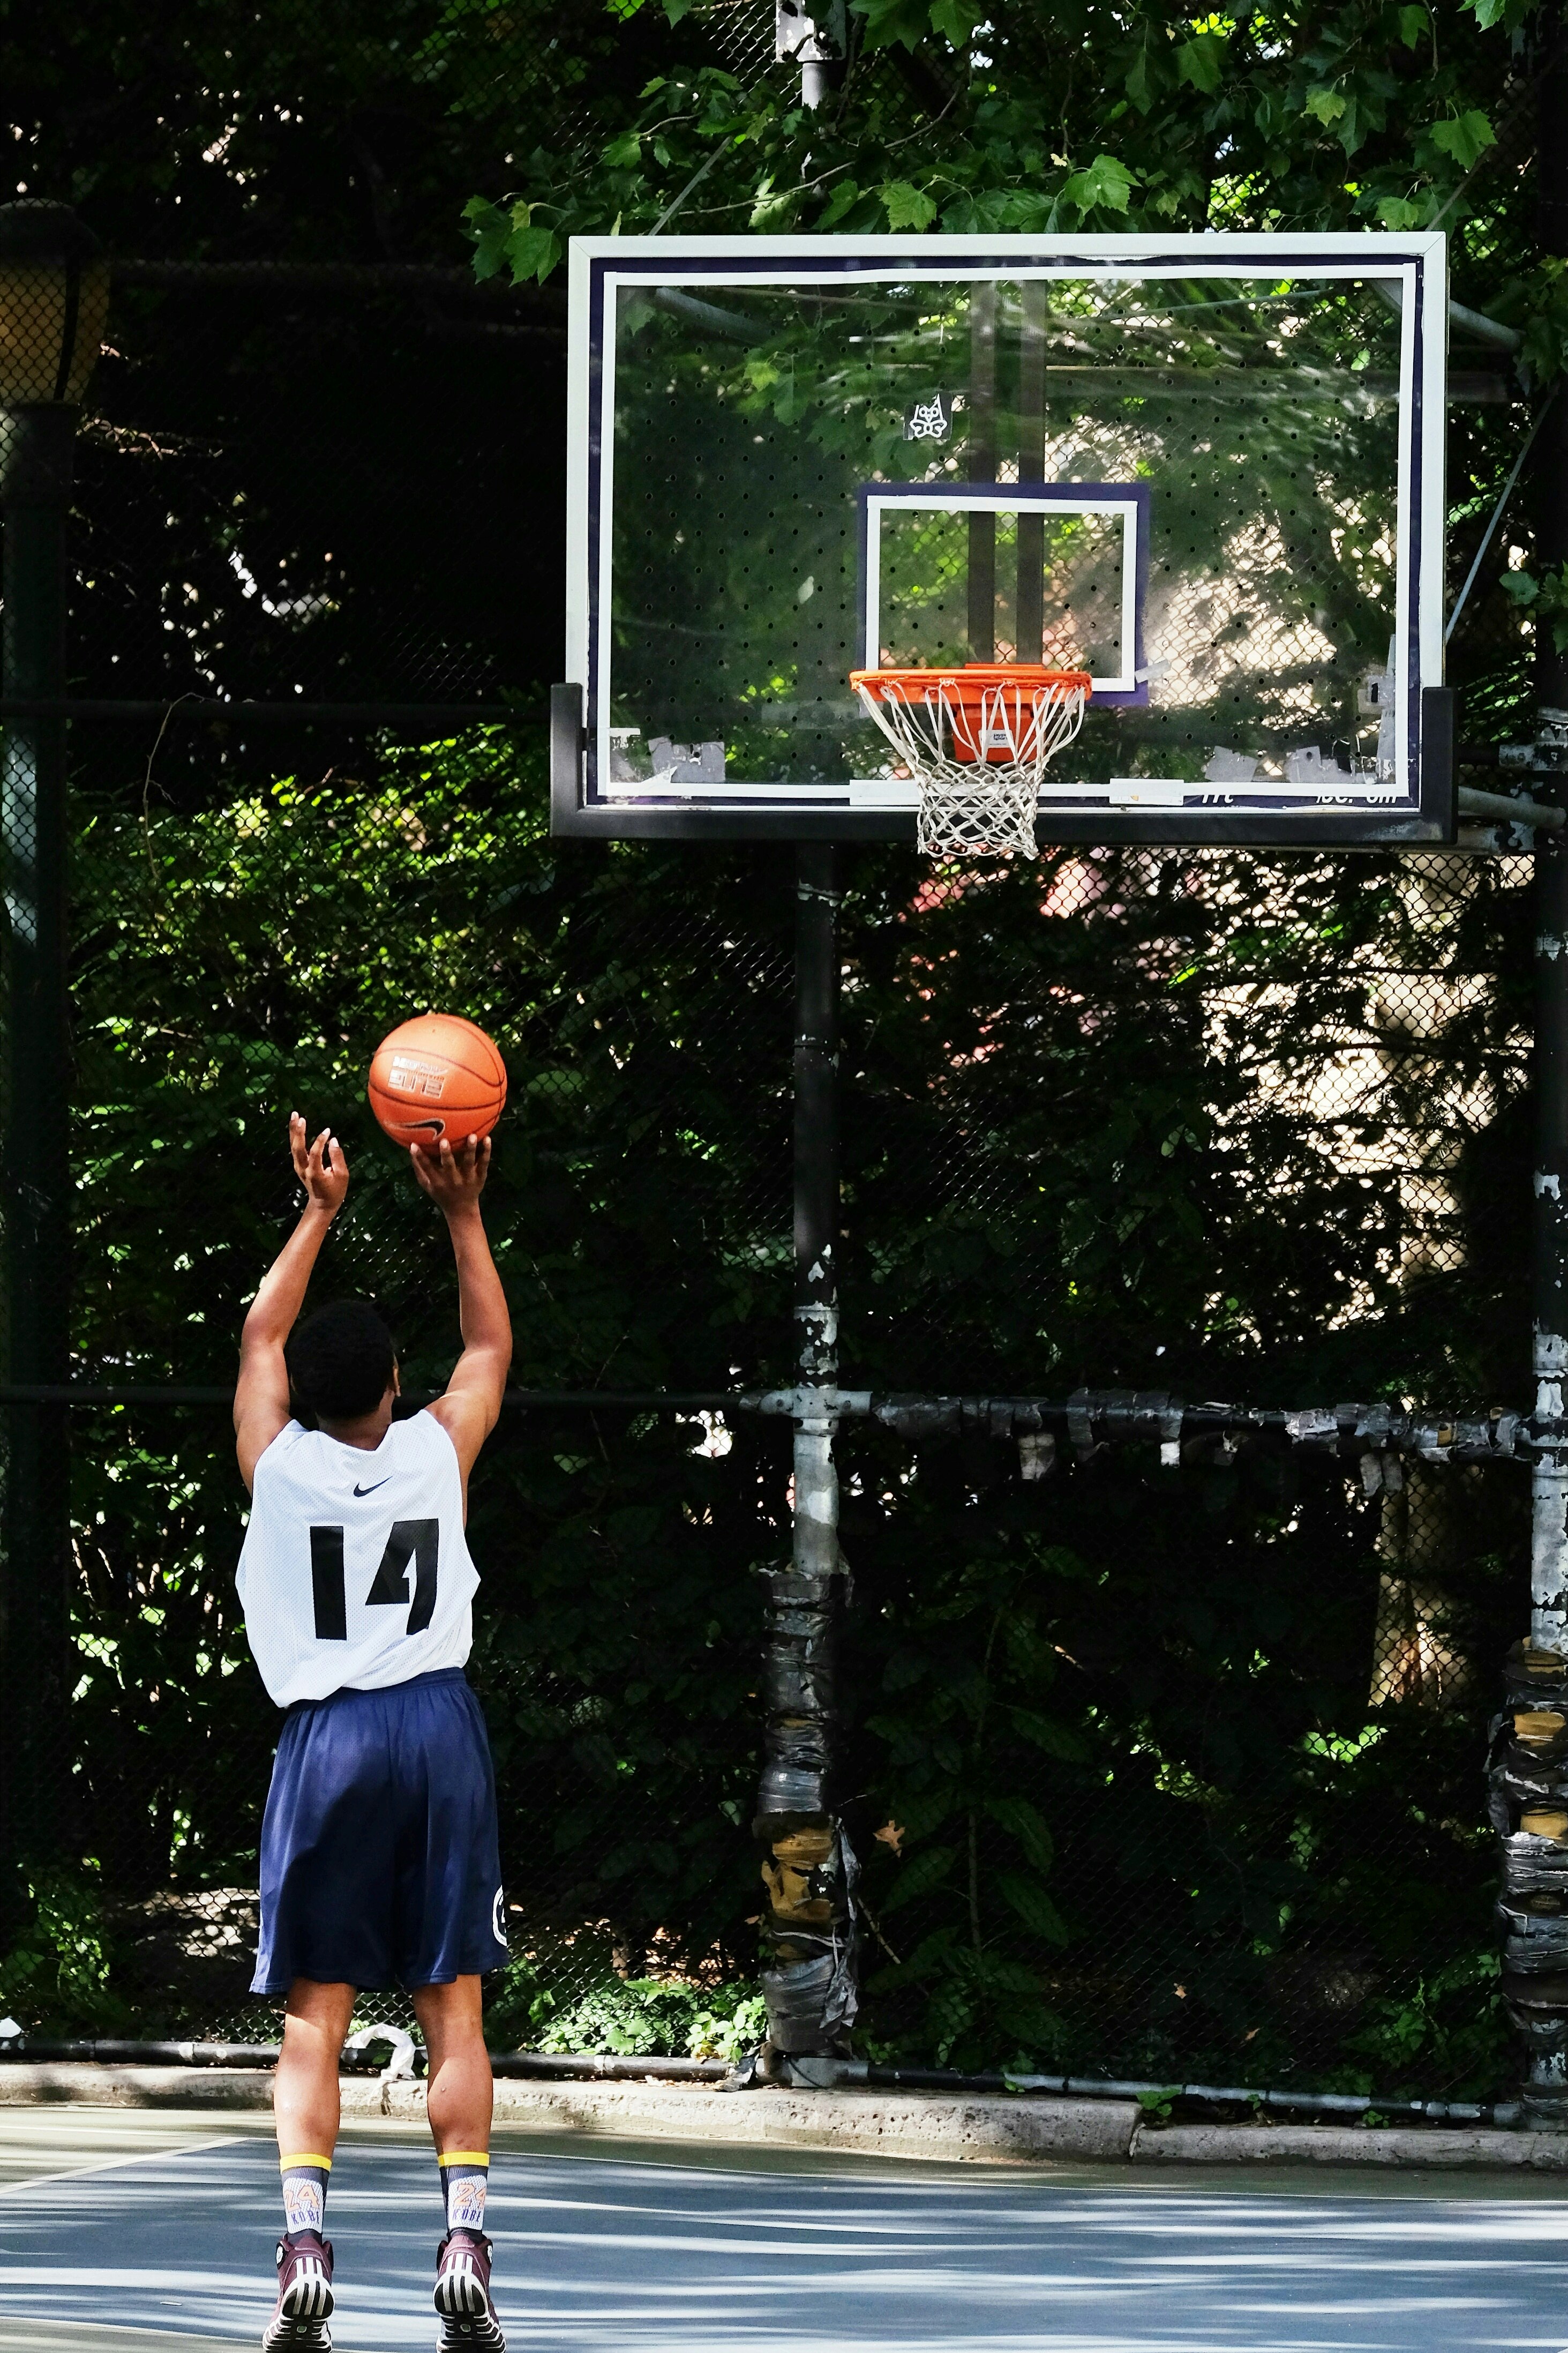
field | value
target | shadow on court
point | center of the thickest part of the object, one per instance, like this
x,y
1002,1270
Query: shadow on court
x,y
790,2254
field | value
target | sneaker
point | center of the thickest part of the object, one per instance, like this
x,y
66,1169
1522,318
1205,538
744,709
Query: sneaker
x,y
304,2295
463,2295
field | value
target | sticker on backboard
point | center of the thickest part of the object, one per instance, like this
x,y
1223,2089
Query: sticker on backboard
x,y
930,420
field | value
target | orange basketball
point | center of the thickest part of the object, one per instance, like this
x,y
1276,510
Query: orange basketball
x,y
437,1078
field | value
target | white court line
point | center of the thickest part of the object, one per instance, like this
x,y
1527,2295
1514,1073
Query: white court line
x,y
111,2164
71,2335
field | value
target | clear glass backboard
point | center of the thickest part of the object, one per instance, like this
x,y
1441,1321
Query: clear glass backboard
x,y
1209,470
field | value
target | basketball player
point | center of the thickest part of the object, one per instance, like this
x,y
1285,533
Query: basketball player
x,y
379,1856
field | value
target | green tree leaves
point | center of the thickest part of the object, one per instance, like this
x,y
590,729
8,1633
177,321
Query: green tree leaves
x,y
1025,1822
920,1875
1124,119
1117,121
1326,106
1540,299
1034,1907
962,1727
1548,597
1088,1701
490,228
906,206
1466,137
1106,186
1201,62
904,22
907,23
956,20
1045,1732
1507,14
507,238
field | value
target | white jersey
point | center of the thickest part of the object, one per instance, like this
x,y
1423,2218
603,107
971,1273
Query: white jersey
x,y
355,1571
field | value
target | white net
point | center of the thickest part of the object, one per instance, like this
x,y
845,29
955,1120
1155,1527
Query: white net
x,y
979,750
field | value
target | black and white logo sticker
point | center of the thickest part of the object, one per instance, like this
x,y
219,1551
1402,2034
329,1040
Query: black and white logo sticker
x,y
929,420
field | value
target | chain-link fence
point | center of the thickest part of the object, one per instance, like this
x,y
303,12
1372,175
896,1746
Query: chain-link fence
x,y
1162,1769
1092,1111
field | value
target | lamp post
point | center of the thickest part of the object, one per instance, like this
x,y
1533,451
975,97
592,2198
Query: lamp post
x,y
54,292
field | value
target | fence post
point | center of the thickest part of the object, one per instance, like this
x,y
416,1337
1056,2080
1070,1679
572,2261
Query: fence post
x,y
809,1870
1538,1998
35,453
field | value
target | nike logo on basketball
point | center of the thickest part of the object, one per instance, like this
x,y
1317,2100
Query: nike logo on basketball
x,y
370,1491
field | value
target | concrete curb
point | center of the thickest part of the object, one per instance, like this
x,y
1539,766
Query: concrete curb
x,y
877,2124
1440,2145
850,2121
46,2085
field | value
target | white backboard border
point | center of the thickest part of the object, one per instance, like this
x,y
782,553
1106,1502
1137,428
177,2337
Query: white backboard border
x,y
583,801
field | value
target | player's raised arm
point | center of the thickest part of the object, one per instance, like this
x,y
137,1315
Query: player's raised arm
x,y
261,1392
455,1179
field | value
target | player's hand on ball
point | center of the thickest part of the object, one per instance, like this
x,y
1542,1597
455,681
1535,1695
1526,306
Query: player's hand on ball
x,y
320,1166
452,1177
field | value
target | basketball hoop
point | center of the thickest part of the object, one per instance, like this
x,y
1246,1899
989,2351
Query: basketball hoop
x,y
979,738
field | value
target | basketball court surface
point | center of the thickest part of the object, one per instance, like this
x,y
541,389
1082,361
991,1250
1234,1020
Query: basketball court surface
x,y
121,2228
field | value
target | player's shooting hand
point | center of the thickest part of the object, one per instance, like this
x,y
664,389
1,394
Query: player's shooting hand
x,y
320,1166
454,1177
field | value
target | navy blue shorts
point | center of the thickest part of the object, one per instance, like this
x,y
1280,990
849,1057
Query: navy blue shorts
x,y
380,1864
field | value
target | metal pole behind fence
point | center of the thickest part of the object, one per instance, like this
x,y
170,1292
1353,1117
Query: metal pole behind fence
x,y
36,454
813,35
809,1869
1538,1998
980,461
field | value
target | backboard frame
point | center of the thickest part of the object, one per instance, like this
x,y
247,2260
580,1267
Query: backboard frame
x,y
693,267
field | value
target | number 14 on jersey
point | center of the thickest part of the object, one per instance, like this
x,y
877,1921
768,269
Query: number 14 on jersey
x,y
415,1540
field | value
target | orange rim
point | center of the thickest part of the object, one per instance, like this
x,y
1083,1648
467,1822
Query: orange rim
x,y
969,682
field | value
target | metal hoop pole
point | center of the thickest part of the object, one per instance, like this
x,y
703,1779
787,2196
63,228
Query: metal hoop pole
x,y
809,1868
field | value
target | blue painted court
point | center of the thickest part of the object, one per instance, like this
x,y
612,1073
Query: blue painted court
x,y
148,2226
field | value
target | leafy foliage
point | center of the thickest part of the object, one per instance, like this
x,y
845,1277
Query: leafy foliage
x,y
1116,1724
1363,114
641,2018
1549,597
625,1671
56,1978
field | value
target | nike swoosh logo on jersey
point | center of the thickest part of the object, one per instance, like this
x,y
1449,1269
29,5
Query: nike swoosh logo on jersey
x,y
370,1491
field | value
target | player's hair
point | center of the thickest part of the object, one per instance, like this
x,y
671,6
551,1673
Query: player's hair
x,y
341,1361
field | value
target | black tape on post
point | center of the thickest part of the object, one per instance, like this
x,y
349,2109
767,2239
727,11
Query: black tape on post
x,y
808,1869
